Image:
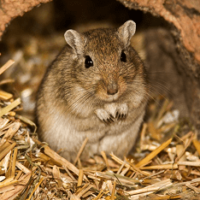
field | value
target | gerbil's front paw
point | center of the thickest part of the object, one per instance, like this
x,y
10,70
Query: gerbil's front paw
x,y
122,111
104,116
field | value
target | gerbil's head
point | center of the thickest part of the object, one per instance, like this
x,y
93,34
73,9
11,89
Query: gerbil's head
x,y
105,65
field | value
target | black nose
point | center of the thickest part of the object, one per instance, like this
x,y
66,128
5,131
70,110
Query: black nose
x,y
112,89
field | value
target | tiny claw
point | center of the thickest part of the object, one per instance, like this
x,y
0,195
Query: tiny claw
x,y
111,117
108,121
121,116
117,115
105,121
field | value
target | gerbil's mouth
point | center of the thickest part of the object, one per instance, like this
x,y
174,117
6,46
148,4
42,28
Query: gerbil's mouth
x,y
112,97
108,98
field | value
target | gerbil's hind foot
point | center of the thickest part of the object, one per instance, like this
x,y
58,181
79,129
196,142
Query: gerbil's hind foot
x,y
104,116
122,111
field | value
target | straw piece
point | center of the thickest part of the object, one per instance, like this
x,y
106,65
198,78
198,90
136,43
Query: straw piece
x,y
155,174
6,66
185,137
56,172
139,196
6,183
84,190
133,167
74,197
138,170
164,166
3,122
142,135
63,177
188,163
7,188
122,179
89,193
27,121
179,150
80,178
154,153
196,180
154,187
62,161
6,81
153,131
38,184
11,131
5,95
4,145
105,158
186,146
18,175
196,143
99,195
113,191
56,175
14,162
124,171
94,177
160,197
5,151
81,150
121,167
109,186
69,173
12,194
42,156
22,168
11,106
197,190
9,171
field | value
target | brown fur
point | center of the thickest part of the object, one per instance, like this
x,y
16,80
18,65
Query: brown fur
x,y
73,102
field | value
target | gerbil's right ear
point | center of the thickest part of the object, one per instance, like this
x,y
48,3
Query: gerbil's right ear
x,y
75,40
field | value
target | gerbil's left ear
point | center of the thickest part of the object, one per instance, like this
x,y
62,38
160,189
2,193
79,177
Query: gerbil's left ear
x,y
126,31
75,40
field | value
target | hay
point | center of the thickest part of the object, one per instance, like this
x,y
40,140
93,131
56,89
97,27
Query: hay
x,y
165,164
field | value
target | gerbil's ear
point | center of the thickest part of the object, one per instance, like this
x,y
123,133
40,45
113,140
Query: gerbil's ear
x,y
75,40
126,31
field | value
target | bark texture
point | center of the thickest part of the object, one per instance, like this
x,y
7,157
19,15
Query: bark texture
x,y
184,18
9,9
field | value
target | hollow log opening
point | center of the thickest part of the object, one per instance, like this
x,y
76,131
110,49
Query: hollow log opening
x,y
167,38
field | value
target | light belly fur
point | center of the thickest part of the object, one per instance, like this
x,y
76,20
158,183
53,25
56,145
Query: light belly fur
x,y
117,137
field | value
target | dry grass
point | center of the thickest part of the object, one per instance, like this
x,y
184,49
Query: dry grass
x,y
165,164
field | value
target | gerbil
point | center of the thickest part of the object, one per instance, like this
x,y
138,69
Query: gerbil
x,y
95,88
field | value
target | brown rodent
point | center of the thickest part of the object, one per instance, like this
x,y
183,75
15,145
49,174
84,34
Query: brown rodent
x,y
95,88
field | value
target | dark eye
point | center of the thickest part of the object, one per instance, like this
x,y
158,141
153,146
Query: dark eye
x,y
88,62
123,57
